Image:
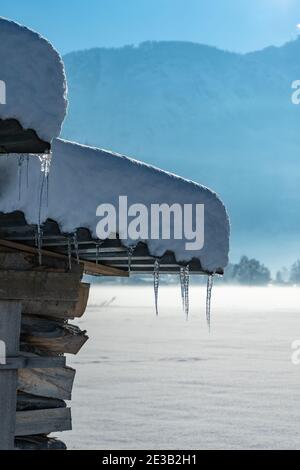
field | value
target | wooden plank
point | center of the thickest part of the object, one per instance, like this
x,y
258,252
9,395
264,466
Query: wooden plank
x,y
43,421
52,383
50,335
27,402
28,285
59,309
89,267
33,362
19,261
39,443
10,320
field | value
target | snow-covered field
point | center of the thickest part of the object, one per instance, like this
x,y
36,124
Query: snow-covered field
x,y
164,383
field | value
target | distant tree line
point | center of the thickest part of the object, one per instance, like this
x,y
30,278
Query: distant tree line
x,y
250,271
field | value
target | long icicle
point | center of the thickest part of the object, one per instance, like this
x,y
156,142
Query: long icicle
x,y
182,277
20,164
156,283
27,171
186,290
210,281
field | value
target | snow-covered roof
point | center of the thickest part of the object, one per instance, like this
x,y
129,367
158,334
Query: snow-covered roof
x,y
33,74
82,177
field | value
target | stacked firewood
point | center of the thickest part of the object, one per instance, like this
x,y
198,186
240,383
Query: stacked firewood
x,y
51,295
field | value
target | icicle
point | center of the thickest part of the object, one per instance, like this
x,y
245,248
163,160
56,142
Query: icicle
x,y
70,253
184,286
27,171
39,242
182,276
47,189
76,246
210,280
156,283
186,291
130,252
20,164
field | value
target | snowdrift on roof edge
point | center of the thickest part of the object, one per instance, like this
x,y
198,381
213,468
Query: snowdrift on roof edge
x,y
83,177
34,78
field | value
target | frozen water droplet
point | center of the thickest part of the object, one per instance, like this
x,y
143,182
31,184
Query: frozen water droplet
x,y
156,283
210,280
76,246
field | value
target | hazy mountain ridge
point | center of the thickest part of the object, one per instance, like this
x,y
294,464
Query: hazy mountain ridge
x,y
223,119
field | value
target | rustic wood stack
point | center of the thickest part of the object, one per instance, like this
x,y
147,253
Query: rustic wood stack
x,y
36,304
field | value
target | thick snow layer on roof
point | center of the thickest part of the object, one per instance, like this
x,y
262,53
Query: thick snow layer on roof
x,y
82,177
34,77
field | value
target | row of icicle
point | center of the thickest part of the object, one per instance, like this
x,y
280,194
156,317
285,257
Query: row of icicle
x,y
73,245
45,160
184,285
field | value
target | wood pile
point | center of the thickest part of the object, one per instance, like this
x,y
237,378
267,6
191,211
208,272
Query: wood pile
x,y
36,305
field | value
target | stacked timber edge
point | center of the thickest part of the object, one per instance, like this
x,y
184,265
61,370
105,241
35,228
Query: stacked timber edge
x,y
36,304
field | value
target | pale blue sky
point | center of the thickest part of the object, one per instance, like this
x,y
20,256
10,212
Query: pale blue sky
x,y
238,25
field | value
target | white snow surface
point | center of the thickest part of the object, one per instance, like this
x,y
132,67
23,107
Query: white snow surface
x,y
165,383
82,177
34,76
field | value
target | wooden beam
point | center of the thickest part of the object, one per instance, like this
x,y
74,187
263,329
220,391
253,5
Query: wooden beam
x,y
89,267
53,383
10,321
29,285
43,421
59,309
33,362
